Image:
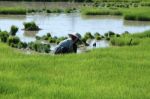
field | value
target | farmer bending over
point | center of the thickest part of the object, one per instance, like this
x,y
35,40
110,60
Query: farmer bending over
x,y
69,45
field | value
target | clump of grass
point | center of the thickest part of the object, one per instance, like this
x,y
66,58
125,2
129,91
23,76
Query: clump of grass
x,y
14,10
4,36
145,34
98,11
13,41
87,36
30,26
13,30
22,45
51,39
124,41
39,47
109,34
137,14
137,17
127,39
97,36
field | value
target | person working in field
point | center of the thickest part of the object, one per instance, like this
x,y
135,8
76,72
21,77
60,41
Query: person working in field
x,y
69,45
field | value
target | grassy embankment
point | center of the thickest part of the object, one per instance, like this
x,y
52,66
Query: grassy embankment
x,y
140,14
109,73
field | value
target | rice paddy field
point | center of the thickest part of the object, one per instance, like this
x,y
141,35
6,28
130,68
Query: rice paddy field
x,y
109,73
120,71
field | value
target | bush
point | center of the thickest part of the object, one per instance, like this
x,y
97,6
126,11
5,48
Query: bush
x,y
13,41
13,30
30,26
4,36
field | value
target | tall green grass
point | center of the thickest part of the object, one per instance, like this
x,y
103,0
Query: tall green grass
x,y
137,14
130,39
14,10
99,11
109,73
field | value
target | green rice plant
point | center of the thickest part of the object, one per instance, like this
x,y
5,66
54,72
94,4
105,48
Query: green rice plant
x,y
30,26
98,11
88,35
12,10
109,34
13,41
126,40
97,36
22,45
48,11
4,36
56,10
13,30
39,47
106,73
137,14
145,34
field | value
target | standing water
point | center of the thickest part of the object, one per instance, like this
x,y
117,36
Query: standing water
x,y
62,24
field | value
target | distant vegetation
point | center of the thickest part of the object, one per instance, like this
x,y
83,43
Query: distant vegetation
x,y
14,10
138,14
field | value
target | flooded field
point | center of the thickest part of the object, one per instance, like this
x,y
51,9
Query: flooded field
x,y
62,24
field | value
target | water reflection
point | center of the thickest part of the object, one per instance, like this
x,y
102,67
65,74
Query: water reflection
x,y
136,23
30,33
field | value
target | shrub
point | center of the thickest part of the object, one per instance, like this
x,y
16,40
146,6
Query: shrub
x,y
13,41
30,26
13,30
4,36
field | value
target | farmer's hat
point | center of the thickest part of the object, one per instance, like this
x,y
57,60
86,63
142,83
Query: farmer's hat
x,y
75,37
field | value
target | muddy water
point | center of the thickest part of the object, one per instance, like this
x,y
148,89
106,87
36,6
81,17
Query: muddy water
x,y
62,24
